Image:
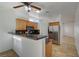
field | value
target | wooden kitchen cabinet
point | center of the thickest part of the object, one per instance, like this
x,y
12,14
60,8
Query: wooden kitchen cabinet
x,y
21,24
48,49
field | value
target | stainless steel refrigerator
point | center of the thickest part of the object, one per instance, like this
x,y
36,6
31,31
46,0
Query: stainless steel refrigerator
x,y
54,34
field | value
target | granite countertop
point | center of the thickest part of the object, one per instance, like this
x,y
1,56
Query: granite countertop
x,y
30,36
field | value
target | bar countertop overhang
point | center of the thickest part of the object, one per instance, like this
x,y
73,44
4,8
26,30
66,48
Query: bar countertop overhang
x,y
30,36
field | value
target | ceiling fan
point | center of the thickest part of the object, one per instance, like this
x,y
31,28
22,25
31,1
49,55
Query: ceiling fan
x,y
29,6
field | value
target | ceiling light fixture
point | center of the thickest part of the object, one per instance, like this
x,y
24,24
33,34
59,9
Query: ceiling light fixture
x,y
27,8
37,11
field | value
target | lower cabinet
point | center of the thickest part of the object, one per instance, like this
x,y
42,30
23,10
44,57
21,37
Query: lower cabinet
x,y
48,49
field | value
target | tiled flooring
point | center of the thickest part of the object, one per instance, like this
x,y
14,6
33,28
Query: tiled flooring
x,y
66,49
9,53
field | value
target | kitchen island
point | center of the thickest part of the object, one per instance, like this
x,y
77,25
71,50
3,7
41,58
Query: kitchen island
x,y
26,45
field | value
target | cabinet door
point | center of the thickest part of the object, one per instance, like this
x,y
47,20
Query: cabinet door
x,y
48,49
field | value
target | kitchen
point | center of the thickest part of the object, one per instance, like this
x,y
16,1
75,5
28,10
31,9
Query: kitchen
x,y
17,24
27,40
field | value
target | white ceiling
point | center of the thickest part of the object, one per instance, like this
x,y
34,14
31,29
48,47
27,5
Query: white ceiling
x,y
65,9
51,10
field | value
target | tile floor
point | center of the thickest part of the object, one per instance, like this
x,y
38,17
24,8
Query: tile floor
x,y
65,49
9,53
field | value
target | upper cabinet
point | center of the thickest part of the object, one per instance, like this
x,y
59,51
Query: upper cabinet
x,y
21,24
54,24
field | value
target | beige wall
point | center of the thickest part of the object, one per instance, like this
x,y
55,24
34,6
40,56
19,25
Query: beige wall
x,y
7,24
69,29
76,29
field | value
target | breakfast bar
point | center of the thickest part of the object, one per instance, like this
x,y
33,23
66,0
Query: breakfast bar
x,y
29,45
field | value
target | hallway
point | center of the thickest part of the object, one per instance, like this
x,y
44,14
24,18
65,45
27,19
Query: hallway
x,y
66,49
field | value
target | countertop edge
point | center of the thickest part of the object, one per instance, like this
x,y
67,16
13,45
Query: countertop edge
x,y
30,37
